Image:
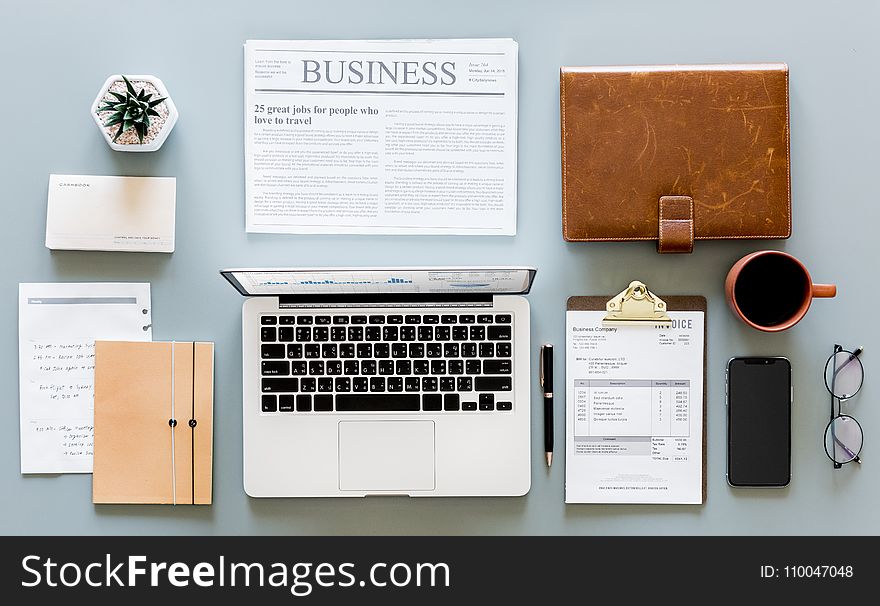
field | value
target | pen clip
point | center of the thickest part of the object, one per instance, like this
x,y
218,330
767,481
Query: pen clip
x,y
541,365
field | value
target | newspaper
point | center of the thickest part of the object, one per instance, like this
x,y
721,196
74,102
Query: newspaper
x,y
381,137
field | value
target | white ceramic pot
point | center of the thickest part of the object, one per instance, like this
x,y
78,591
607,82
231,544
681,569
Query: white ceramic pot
x,y
157,141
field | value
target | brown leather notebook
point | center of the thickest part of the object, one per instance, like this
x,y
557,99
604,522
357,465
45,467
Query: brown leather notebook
x,y
154,407
675,153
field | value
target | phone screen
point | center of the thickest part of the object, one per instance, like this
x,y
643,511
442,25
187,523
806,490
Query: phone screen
x,y
759,422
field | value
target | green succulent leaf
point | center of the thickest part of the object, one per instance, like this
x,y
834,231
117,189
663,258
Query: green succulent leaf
x,y
152,112
157,101
118,132
119,96
129,87
113,120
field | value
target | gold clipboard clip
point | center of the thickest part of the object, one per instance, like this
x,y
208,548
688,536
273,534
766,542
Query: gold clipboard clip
x,y
635,305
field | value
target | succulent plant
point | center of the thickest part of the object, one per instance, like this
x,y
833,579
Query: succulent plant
x,y
131,110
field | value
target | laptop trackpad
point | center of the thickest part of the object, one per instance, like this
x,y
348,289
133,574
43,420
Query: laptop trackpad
x,y
377,456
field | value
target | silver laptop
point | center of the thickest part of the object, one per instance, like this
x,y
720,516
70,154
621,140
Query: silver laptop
x,y
385,381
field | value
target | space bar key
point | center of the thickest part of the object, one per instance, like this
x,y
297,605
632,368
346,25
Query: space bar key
x,y
377,402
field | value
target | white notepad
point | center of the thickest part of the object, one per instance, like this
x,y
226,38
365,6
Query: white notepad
x,y
634,410
129,214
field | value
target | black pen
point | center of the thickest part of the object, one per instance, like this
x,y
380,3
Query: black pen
x,y
547,388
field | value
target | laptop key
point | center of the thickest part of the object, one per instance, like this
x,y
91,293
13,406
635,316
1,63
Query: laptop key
x,y
272,352
413,319
429,383
294,351
269,403
377,319
468,350
465,384
447,383
412,384
303,334
473,367
381,350
487,401
430,319
395,384
442,333
286,403
334,367
299,367
395,319
287,320
355,333
340,319
312,350
503,318
407,333
365,350
338,333
438,367
304,403
377,384
484,319
390,333
346,350
478,333
459,333
386,367
432,402
360,384
308,385
416,350
368,367
351,367
434,350
493,383
451,401
373,333
323,403
421,367
487,350
280,384
456,367
426,333
342,384
450,350
499,333
281,367
448,319
359,319
398,350
316,367
267,333
324,320
505,405
329,350
304,319
466,319
321,333
497,367
468,405
268,320
325,385
370,402
403,367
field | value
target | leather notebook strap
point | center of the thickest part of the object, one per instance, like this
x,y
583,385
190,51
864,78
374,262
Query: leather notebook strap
x,y
676,225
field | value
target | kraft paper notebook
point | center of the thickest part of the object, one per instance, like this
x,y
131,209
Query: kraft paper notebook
x,y
635,429
675,153
153,422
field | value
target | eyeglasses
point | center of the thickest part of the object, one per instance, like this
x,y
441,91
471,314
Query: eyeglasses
x,y
844,375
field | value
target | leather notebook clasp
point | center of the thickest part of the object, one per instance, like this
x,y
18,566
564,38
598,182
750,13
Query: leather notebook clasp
x,y
676,229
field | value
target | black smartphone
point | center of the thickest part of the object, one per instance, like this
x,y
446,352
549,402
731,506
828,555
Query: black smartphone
x,y
759,422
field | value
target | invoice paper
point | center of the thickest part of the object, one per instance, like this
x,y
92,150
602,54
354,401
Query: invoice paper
x,y
58,325
634,410
381,137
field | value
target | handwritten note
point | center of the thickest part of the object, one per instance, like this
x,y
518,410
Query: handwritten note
x,y
58,326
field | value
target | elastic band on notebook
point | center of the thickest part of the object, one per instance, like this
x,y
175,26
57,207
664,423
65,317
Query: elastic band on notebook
x,y
173,423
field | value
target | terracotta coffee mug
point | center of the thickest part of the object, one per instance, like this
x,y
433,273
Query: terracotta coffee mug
x,y
771,290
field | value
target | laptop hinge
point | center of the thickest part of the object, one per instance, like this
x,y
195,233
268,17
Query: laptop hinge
x,y
374,300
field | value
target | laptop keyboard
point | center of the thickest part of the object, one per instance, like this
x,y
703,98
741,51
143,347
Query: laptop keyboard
x,y
386,363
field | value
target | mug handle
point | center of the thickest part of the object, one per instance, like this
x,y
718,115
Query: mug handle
x,y
824,290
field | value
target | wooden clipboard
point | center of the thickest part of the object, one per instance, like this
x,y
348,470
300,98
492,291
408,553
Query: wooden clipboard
x,y
673,303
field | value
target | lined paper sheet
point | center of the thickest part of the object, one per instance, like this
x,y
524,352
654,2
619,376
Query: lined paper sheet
x,y
58,326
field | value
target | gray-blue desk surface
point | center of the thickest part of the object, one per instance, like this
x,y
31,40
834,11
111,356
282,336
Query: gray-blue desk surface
x,y
57,54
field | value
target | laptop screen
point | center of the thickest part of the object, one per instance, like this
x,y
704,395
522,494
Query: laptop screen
x,y
323,281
